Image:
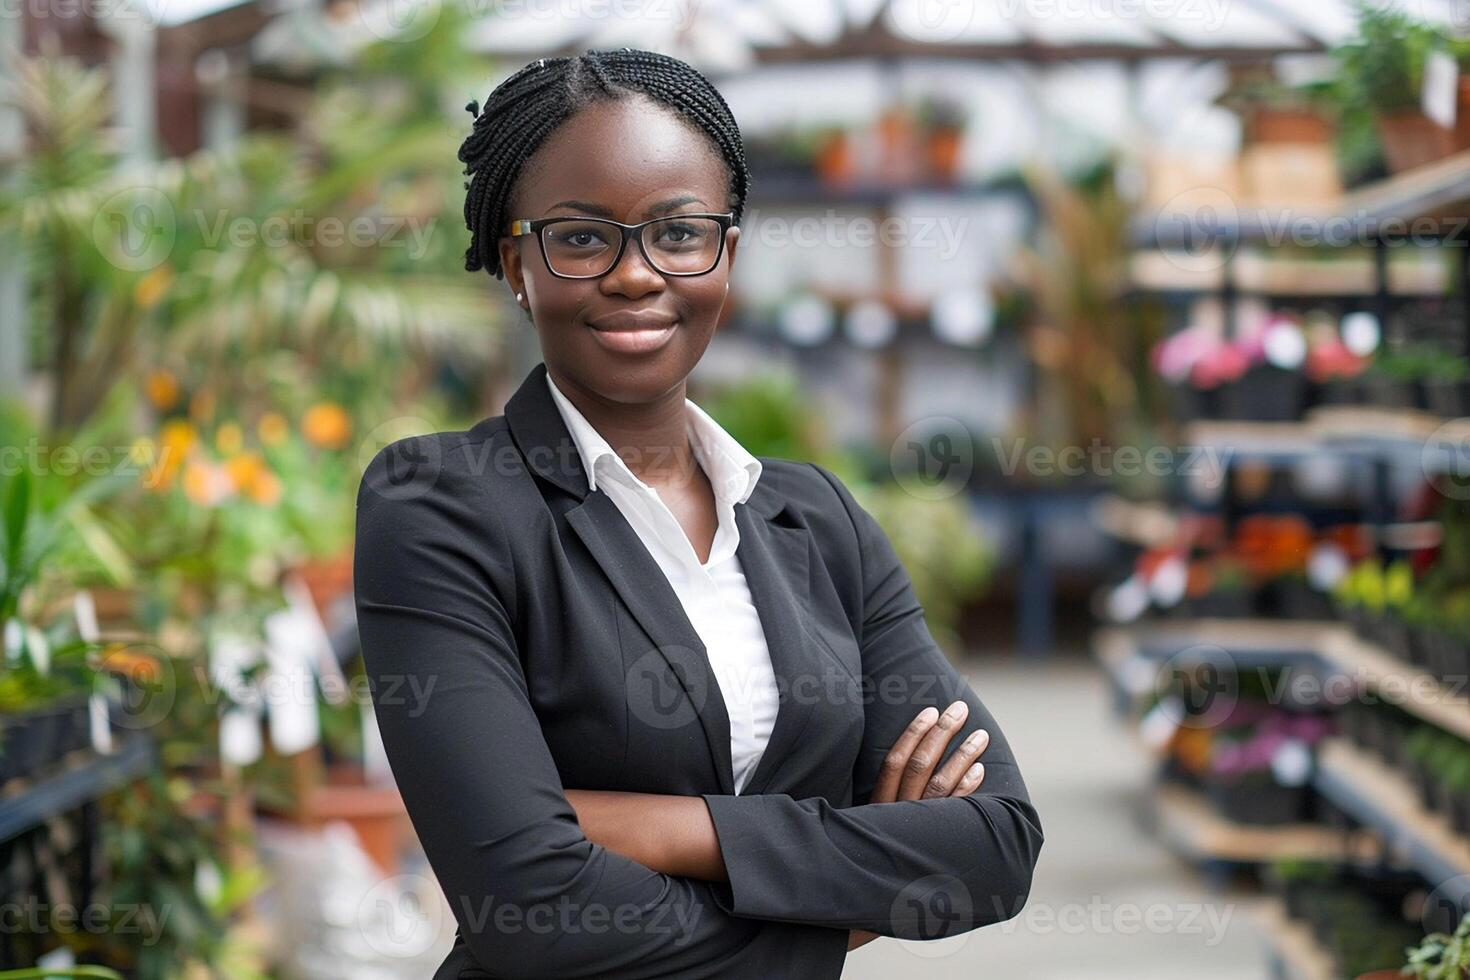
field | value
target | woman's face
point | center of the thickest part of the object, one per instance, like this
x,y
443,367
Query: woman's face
x,y
628,160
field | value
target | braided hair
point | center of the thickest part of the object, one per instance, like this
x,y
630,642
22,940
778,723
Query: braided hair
x,y
529,105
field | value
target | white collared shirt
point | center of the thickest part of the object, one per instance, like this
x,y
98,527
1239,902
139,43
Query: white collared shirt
x,y
714,594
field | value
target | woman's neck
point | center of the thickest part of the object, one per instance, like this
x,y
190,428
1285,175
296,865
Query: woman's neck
x,y
652,438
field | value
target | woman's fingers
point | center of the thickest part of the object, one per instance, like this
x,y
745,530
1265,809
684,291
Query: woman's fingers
x,y
896,762
930,750
962,771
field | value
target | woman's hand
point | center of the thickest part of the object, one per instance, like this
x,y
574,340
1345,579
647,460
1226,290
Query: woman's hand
x,y
908,769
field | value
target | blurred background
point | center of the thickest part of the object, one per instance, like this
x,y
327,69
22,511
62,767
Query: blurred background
x,y
1140,326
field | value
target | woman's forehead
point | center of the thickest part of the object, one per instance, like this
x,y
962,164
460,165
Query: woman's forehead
x,y
631,157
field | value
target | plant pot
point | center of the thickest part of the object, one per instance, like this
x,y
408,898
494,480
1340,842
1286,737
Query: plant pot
x,y
374,812
1389,392
1293,598
1421,645
1340,391
1462,113
942,153
1393,635
835,161
1258,800
327,579
1411,139
1460,813
1448,399
32,742
1427,785
1224,604
1189,403
1265,394
1281,124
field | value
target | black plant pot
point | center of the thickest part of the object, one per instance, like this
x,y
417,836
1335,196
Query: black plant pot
x,y
1225,604
1190,403
1341,391
1393,635
1293,598
1265,394
32,741
1460,813
1386,392
1428,786
1421,645
1448,399
1258,800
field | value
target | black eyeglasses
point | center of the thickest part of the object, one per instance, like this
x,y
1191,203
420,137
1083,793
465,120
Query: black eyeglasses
x,y
586,248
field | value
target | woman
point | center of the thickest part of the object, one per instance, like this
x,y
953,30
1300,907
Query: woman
x,y
657,707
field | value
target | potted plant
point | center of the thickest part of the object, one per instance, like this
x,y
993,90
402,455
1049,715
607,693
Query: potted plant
x,y
1441,956
1447,385
1381,72
1293,878
1273,112
1272,388
942,123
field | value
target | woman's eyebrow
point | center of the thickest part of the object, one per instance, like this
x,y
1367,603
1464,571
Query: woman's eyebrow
x,y
664,207
593,209
598,211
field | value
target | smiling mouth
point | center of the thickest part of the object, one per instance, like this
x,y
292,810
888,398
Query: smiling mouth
x,y
634,336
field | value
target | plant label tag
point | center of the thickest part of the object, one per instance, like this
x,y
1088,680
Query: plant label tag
x,y
291,650
1160,722
97,717
1291,763
1441,82
239,736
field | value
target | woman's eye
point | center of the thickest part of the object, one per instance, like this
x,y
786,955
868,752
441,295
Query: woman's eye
x,y
678,234
582,239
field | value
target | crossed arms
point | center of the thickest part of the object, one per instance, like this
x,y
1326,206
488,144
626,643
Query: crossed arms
x,y
503,836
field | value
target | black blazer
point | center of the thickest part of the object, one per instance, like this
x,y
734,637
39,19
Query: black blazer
x,y
519,639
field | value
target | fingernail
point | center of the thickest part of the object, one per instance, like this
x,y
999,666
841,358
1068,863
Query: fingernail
x,y
975,771
929,714
955,709
974,737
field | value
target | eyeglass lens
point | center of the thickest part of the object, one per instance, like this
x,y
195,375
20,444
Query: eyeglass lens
x,y
676,245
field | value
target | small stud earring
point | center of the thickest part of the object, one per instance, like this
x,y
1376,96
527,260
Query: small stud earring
x,y
520,296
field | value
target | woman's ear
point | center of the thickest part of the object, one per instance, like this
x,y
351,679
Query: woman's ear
x,y
732,239
510,264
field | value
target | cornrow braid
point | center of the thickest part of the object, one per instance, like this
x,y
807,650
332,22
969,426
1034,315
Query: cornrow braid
x,y
529,105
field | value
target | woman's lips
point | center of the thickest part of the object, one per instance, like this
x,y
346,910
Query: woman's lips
x,y
642,340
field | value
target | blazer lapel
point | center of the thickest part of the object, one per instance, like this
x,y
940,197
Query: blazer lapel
x,y
775,559
641,584
549,450
774,556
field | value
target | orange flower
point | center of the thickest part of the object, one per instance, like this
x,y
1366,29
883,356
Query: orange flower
x,y
176,440
206,483
266,489
162,389
229,438
201,406
272,428
120,659
244,469
152,287
327,425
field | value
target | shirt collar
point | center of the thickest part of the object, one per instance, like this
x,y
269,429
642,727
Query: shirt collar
x,y
732,470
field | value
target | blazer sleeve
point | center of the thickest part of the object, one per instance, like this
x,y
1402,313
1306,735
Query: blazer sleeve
x,y
533,896
911,869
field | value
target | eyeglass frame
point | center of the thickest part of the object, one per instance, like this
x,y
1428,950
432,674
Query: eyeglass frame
x,y
533,226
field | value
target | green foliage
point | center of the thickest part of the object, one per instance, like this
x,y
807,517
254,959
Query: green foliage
x,y
1441,956
937,541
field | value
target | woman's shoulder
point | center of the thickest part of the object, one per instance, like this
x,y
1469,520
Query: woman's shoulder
x,y
813,491
451,461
